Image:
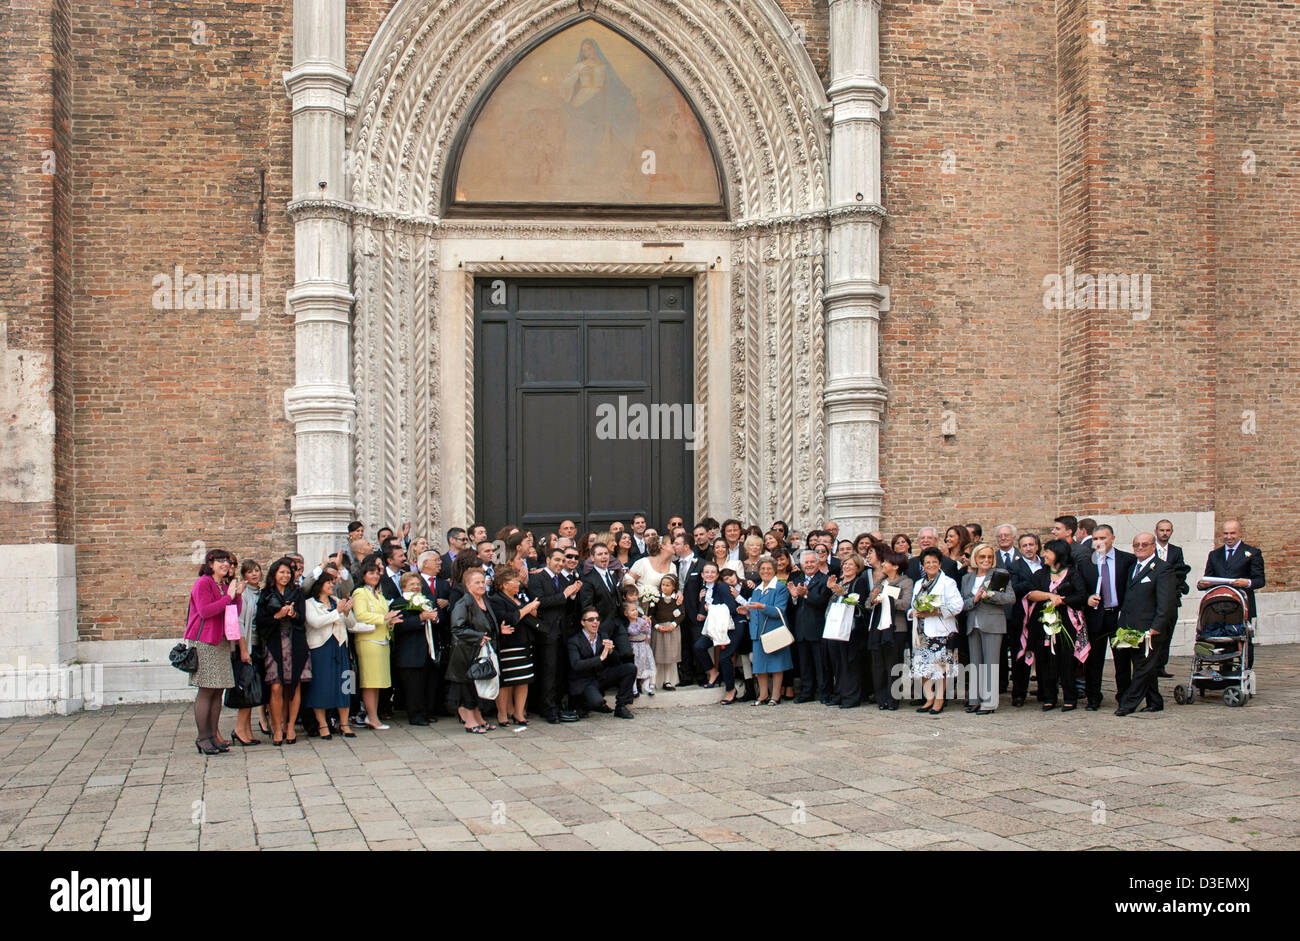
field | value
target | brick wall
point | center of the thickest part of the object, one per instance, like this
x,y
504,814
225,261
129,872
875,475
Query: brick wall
x,y
180,433
968,152
1256,341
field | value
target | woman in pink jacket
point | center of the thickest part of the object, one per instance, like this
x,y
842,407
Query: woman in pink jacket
x,y
215,590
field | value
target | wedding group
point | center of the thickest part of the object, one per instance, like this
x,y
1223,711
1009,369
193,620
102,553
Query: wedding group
x,y
495,630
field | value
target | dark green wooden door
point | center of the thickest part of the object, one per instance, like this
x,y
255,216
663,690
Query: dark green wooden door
x,y
559,363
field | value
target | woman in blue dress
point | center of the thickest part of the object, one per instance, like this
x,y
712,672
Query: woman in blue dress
x,y
767,613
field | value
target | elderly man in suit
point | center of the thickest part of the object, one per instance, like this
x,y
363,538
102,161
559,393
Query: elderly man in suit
x,y
1149,605
809,600
1172,554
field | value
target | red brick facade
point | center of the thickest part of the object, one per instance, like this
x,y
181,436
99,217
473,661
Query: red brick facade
x,y
1016,144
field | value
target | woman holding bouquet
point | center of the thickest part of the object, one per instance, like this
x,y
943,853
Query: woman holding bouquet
x,y
852,588
936,602
1054,612
887,634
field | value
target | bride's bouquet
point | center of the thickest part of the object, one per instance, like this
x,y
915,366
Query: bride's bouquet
x,y
417,601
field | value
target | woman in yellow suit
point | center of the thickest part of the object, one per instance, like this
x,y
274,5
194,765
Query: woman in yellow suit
x,y
370,609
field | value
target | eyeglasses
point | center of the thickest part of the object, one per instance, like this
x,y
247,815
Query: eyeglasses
x,y
591,618
572,557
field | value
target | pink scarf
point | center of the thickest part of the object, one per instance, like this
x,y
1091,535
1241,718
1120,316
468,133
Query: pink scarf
x,y
1081,644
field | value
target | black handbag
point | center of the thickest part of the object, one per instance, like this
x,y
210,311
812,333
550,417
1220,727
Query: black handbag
x,y
247,693
184,657
481,669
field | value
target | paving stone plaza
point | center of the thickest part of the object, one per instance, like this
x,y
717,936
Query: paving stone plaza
x,y
1200,777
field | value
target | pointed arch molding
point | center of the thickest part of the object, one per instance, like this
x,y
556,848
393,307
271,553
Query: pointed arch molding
x,y
762,272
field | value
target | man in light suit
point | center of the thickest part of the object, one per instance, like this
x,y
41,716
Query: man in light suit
x,y
1149,605
1172,554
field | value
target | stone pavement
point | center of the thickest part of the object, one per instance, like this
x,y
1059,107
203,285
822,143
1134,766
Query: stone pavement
x,y
700,777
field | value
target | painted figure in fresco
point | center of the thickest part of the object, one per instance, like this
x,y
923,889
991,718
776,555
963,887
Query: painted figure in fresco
x,y
602,117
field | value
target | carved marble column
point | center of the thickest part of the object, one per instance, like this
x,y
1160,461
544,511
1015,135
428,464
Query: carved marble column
x,y
854,396
321,404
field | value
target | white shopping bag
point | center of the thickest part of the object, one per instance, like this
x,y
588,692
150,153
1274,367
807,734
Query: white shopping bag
x,y
839,622
490,689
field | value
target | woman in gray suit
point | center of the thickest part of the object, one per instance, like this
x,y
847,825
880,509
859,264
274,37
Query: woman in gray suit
x,y
986,624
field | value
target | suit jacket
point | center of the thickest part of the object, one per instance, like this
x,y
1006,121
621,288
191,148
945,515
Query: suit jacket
x,y
810,611
1081,551
1174,556
440,590
1246,562
585,666
1091,573
990,615
1151,600
507,614
1022,582
595,593
410,648
553,607
615,628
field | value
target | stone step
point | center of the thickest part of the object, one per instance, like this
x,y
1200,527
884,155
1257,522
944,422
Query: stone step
x,y
682,696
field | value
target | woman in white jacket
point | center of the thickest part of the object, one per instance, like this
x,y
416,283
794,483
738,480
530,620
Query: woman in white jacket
x,y
932,660
328,622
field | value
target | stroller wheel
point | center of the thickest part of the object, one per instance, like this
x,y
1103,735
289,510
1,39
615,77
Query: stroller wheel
x,y
1180,695
1232,696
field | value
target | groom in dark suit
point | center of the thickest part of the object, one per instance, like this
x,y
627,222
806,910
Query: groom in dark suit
x,y
1235,560
1150,604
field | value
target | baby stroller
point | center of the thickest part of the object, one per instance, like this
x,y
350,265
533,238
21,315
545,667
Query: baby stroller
x,y
1224,632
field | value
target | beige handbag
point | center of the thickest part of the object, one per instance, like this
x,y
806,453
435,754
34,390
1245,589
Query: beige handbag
x,y
778,639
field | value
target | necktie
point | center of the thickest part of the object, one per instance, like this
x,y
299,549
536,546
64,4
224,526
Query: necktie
x,y
1106,598
1006,558
557,580
608,584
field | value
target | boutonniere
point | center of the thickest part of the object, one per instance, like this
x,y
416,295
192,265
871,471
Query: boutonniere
x,y
1248,554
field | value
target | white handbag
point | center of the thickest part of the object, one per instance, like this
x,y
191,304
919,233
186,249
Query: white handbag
x,y
490,688
839,622
778,638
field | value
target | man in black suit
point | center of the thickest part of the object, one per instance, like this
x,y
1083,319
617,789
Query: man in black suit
x,y
1168,552
1004,538
595,665
414,652
599,586
1149,605
701,545
1108,577
438,590
928,536
1022,570
553,593
1240,562
809,601
638,537
687,565
1082,547
457,542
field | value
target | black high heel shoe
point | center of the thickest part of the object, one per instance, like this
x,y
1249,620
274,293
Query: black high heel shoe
x,y
234,737
204,746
